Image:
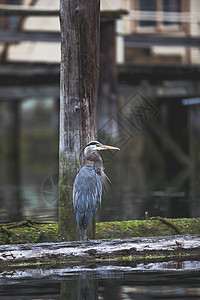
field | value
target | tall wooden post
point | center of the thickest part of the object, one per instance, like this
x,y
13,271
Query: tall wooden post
x,y
11,161
107,105
78,98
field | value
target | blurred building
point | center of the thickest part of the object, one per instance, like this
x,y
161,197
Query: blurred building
x,y
177,18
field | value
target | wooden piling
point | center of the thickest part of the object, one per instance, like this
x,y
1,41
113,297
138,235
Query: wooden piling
x,y
78,98
11,162
107,102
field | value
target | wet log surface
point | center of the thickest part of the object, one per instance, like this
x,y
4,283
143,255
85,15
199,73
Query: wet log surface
x,y
101,251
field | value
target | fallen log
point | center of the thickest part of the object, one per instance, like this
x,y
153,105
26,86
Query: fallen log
x,y
101,251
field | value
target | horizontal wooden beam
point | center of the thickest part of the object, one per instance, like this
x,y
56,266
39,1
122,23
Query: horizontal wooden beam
x,y
24,10
137,73
9,36
137,40
28,69
113,14
27,74
21,92
147,41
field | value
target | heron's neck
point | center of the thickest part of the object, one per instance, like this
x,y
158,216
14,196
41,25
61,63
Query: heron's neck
x,y
96,158
98,164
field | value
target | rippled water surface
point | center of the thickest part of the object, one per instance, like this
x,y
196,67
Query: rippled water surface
x,y
162,280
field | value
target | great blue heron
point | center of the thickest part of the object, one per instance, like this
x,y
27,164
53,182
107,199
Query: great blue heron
x,y
87,189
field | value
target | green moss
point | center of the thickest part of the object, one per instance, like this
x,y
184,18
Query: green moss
x,y
27,233
146,228
34,232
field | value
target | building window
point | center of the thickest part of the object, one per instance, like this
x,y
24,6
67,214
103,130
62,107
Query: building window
x,y
167,6
171,6
147,5
12,21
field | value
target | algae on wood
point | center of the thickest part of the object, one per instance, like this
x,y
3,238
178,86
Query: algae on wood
x,y
35,232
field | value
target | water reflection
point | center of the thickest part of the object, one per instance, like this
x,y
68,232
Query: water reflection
x,y
169,280
80,289
28,155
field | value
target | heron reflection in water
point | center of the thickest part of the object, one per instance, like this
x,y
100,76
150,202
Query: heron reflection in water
x,y
87,189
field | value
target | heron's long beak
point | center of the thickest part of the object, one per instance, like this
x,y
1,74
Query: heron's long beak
x,y
105,147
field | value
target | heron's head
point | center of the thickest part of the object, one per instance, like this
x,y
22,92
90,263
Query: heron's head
x,y
95,146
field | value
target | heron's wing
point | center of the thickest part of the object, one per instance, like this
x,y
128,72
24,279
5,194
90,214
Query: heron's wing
x,y
87,191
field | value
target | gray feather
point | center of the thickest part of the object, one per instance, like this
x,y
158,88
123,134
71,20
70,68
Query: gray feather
x,y
87,191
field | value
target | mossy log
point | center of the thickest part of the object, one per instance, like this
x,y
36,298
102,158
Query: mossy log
x,y
31,231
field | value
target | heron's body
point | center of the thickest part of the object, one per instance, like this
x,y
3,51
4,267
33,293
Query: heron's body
x,y
86,195
87,189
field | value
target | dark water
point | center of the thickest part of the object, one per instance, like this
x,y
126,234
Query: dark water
x,y
148,174
156,170
169,280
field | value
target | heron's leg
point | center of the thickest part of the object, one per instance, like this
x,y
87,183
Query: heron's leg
x,y
82,235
